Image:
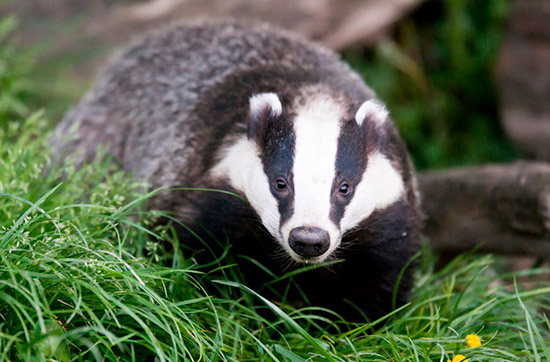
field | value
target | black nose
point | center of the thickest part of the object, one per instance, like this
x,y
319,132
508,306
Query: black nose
x,y
309,241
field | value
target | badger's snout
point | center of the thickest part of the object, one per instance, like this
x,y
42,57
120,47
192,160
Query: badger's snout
x,y
309,242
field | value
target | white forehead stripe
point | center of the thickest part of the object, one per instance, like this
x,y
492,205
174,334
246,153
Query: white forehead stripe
x,y
373,109
380,187
317,128
259,102
243,167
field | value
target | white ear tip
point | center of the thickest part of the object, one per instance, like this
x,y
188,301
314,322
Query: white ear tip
x,y
259,102
374,109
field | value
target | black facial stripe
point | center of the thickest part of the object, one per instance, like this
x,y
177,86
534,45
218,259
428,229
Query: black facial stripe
x,y
277,146
350,164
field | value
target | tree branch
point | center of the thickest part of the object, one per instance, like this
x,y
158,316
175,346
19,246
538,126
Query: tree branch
x,y
502,209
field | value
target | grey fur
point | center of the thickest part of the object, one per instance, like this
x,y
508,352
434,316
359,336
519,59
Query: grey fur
x,y
170,105
152,90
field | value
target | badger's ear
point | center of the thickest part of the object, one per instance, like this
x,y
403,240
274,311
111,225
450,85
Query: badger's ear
x,y
263,107
372,110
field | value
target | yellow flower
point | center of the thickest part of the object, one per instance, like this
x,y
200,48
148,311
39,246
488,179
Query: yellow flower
x,y
473,340
458,358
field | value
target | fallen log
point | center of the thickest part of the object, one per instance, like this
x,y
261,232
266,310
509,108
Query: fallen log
x,y
502,209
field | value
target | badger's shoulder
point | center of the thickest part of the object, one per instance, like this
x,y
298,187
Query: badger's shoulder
x,y
230,43
194,55
150,91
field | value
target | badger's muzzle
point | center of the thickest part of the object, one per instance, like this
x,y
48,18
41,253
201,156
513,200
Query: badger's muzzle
x,y
309,242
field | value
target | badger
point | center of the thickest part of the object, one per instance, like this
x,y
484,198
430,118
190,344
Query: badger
x,y
284,123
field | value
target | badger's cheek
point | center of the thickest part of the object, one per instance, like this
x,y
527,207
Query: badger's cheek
x,y
242,167
381,186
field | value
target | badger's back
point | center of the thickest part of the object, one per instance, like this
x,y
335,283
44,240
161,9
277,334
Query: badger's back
x,y
144,108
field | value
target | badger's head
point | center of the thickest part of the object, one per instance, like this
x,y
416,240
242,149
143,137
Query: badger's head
x,y
312,170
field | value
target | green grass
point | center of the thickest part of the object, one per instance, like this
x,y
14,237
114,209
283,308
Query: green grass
x,y
437,77
85,276
71,287
14,66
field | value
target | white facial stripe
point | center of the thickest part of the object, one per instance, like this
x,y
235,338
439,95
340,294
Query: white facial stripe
x,y
317,127
372,109
381,186
243,167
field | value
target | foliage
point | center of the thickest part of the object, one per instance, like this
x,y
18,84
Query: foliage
x,y
77,285
437,79
13,68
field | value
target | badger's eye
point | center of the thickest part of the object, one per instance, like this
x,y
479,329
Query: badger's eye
x,y
280,184
344,189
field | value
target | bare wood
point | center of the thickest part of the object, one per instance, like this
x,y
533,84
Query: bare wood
x,y
523,78
336,23
501,209
367,23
